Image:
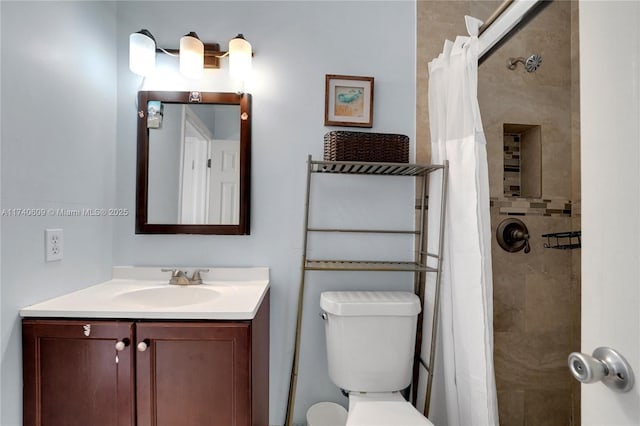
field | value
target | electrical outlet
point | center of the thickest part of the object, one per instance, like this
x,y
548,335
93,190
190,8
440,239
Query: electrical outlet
x,y
53,244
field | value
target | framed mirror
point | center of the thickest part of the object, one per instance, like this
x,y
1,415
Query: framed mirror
x,y
194,159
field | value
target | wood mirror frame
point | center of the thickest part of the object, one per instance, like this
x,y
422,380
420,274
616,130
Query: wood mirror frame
x,y
142,176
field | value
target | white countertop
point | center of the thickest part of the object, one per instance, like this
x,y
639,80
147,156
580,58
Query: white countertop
x,y
144,293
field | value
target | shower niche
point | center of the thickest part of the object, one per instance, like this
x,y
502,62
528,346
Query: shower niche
x,y
522,160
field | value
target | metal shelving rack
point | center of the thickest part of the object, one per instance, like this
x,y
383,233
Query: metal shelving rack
x,y
418,266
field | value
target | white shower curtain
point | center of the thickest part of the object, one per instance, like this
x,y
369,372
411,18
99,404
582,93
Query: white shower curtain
x,y
466,389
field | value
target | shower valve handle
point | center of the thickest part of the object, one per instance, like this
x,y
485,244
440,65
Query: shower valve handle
x,y
513,235
517,235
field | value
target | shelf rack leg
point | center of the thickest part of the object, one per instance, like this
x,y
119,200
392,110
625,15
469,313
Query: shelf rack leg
x,y
436,302
419,289
296,351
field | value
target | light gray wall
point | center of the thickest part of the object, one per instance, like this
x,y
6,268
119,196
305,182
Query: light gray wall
x,y
58,151
227,122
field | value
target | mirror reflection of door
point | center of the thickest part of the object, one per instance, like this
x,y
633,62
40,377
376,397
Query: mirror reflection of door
x,y
210,185
194,186
224,182
194,165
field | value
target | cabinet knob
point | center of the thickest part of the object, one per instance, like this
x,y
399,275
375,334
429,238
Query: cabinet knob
x,y
142,346
121,344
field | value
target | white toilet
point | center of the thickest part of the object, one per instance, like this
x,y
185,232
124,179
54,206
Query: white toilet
x,y
370,349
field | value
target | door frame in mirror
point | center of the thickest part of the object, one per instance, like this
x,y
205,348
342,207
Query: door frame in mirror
x,y
142,175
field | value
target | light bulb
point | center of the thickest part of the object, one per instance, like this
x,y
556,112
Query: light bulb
x,y
240,58
191,56
142,53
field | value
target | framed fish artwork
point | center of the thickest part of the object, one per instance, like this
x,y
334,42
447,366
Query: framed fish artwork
x,y
348,101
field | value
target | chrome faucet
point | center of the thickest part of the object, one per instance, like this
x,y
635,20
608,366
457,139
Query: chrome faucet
x,y
195,278
179,277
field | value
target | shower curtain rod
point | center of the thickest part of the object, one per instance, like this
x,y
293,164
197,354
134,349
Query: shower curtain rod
x,y
503,6
500,25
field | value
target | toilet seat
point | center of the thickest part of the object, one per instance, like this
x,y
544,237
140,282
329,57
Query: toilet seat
x,y
376,411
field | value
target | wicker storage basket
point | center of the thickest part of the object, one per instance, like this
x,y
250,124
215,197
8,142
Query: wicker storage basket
x,y
366,146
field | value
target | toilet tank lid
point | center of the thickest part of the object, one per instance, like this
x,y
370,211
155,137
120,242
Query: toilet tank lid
x,y
370,303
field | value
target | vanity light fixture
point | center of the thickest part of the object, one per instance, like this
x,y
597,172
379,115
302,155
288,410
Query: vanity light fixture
x,y
193,53
142,53
240,57
191,56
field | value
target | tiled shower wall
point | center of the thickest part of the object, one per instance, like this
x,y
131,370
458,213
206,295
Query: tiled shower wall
x,y
536,295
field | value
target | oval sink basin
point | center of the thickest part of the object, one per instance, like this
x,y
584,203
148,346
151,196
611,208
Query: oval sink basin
x,y
167,297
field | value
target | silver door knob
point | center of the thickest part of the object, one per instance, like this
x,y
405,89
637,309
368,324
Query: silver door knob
x,y
606,365
142,346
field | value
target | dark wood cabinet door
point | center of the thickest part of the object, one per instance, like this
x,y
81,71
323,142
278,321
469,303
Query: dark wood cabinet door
x,y
74,376
194,374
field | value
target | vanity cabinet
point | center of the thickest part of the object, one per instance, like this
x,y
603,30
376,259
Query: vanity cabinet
x,y
71,375
167,373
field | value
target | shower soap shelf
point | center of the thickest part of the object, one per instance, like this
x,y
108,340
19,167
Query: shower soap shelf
x,y
563,240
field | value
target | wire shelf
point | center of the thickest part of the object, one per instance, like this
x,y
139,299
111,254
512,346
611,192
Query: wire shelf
x,y
367,168
365,265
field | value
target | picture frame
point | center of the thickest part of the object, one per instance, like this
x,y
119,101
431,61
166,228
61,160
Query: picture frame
x,y
348,101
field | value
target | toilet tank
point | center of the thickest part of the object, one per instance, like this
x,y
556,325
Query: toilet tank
x,y
370,338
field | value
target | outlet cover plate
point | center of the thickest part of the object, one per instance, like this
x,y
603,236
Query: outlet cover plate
x,y
53,245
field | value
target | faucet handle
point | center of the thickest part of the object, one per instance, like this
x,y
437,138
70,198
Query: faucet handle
x,y
174,272
196,278
177,276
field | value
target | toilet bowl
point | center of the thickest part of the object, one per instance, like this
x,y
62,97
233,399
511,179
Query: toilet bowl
x,y
370,348
383,409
